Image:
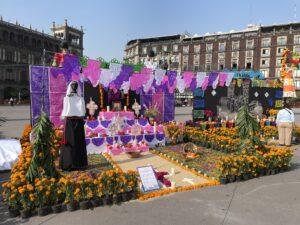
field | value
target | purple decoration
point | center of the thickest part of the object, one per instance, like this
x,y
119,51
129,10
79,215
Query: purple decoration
x,y
36,73
105,123
193,84
70,67
212,77
87,141
149,137
146,99
171,77
124,75
92,124
143,122
98,141
116,138
114,96
169,109
125,139
110,140
139,138
130,122
36,105
56,103
160,137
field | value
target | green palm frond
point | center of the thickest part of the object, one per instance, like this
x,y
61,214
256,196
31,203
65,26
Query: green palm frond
x,y
248,127
42,163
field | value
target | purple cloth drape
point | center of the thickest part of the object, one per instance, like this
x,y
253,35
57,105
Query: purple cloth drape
x,y
169,107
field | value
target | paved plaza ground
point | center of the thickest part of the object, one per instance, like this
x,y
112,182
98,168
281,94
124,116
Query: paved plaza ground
x,y
269,200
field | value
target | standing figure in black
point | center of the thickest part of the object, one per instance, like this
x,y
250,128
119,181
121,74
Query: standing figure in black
x,y
73,154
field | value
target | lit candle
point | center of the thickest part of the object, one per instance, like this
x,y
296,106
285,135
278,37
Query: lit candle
x,y
107,108
226,118
154,129
125,108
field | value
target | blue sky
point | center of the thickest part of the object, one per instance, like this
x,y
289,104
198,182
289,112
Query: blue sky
x,y
109,24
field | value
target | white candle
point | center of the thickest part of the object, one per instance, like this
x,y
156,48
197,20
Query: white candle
x,y
235,117
154,129
226,118
107,108
173,184
102,117
172,171
125,108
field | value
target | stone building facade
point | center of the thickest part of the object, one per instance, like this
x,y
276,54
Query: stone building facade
x,y
254,48
21,46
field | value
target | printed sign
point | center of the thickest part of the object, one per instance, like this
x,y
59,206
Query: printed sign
x,y
148,178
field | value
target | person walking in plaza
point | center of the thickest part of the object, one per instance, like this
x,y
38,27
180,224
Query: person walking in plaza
x,y
285,123
11,102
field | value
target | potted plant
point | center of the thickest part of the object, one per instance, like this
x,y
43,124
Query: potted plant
x,y
27,200
58,196
70,191
84,184
11,196
42,193
97,194
151,113
173,131
106,181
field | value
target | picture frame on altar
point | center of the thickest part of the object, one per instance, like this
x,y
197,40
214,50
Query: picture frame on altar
x,y
117,106
149,181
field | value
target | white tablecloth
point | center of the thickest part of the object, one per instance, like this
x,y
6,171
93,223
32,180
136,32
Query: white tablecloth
x,y
9,152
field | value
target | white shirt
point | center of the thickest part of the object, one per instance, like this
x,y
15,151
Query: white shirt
x,y
73,106
285,115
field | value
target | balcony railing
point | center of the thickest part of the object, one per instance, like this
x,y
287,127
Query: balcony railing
x,y
268,44
250,47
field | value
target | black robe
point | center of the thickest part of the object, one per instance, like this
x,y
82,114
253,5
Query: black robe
x,y
73,153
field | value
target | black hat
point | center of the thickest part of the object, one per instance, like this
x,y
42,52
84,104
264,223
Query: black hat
x,y
64,45
151,53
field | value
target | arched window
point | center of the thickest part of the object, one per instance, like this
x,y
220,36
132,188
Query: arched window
x,y
33,43
46,46
12,37
26,41
39,44
5,35
20,39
